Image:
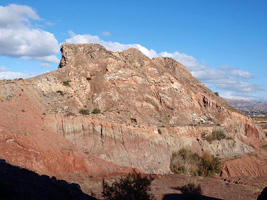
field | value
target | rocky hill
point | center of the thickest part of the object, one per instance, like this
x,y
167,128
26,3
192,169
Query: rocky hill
x,y
105,112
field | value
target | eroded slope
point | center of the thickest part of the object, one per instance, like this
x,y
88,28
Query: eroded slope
x,y
149,108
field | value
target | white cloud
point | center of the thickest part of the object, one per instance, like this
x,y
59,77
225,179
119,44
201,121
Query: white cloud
x,y
189,61
16,16
225,78
19,39
243,74
106,33
3,69
71,33
45,65
113,46
14,75
50,59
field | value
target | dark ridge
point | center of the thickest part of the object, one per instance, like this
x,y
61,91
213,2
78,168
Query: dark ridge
x,y
20,183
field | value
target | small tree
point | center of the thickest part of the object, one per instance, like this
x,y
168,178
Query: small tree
x,y
132,187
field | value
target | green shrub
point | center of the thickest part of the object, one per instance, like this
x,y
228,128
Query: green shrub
x,y
96,111
216,135
216,93
66,83
191,191
84,112
133,186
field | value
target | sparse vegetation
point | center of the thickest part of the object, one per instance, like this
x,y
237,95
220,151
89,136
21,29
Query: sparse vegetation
x,y
159,131
191,191
209,165
133,186
66,83
84,111
185,161
216,135
216,93
264,147
96,111
69,114
133,120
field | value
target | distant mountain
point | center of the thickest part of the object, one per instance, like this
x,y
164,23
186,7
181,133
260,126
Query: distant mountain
x,y
243,105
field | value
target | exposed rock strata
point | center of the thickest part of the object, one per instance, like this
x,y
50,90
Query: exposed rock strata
x,y
149,108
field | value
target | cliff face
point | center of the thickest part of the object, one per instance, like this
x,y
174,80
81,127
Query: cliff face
x,y
149,108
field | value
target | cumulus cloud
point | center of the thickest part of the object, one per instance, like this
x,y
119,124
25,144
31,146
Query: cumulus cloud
x,y
50,59
225,78
113,46
5,73
14,75
19,39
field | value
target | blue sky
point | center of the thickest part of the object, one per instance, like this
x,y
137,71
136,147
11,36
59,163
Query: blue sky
x,y
223,43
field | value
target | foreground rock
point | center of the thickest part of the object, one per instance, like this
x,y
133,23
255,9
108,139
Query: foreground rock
x,y
19,183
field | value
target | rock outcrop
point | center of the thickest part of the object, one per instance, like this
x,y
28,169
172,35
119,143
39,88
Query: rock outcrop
x,y
149,109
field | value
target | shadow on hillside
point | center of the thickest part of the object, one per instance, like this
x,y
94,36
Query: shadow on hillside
x,y
181,197
20,183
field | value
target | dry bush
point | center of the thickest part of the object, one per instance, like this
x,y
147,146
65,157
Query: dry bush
x,y
184,161
132,187
216,135
191,191
187,162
